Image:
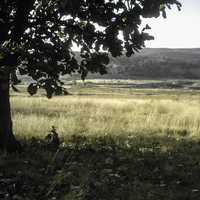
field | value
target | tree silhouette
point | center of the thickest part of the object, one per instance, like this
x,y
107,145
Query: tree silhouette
x,y
37,36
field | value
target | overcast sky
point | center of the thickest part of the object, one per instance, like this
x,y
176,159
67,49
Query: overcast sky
x,y
179,30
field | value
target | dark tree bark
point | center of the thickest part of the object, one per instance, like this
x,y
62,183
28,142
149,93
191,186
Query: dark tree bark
x,y
7,138
19,25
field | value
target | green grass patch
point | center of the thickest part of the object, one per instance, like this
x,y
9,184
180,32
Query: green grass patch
x,y
103,168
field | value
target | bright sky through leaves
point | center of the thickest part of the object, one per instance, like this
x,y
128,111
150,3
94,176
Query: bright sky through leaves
x,y
179,30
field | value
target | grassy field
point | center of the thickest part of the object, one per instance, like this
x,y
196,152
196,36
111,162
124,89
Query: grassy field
x,y
119,144
112,111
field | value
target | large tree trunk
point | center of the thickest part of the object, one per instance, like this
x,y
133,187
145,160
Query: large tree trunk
x,y
7,139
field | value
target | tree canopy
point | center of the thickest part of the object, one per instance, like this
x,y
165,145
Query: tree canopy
x,y
37,36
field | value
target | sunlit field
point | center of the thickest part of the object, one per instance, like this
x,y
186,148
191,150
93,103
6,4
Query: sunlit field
x,y
117,142
109,111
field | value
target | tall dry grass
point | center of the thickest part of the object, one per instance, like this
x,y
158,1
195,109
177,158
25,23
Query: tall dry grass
x,y
99,115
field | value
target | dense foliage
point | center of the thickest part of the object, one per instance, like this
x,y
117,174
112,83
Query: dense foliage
x,y
36,37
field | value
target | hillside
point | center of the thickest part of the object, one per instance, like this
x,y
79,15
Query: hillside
x,y
156,64
151,64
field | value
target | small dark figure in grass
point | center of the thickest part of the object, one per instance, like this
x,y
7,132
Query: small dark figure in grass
x,y
52,139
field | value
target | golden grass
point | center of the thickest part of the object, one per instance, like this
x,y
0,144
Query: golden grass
x,y
104,115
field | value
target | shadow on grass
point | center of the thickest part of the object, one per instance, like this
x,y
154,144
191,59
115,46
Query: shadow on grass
x,y
103,168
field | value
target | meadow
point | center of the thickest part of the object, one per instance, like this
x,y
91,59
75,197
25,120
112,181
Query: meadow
x,y
116,142
106,110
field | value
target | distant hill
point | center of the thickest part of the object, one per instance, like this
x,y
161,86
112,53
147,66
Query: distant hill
x,y
151,63
156,64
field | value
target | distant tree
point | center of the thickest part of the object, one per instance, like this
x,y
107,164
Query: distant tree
x,y
37,36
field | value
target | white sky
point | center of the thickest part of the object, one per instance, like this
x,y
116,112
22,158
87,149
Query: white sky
x,y
179,30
